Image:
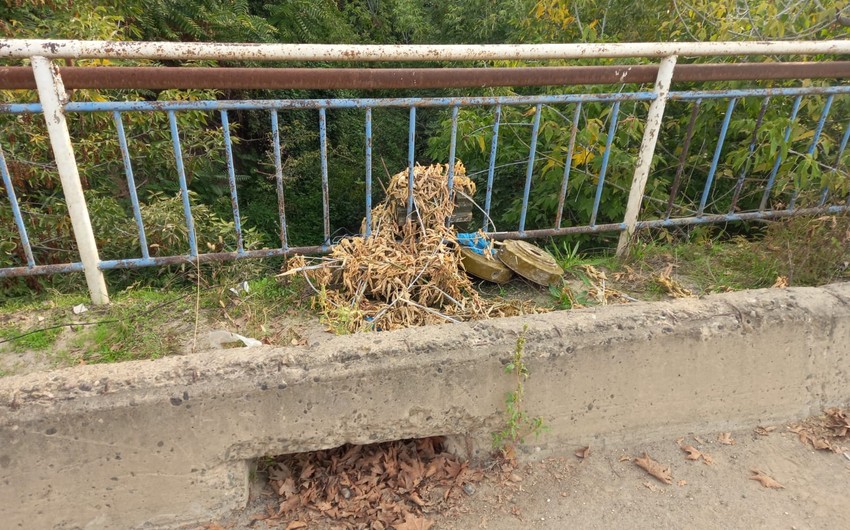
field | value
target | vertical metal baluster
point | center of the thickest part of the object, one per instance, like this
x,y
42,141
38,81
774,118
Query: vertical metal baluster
x,y
535,130
52,95
568,164
411,139
491,170
452,150
16,210
368,230
814,144
612,129
825,192
231,179
683,157
772,179
323,141
647,150
716,159
278,175
131,183
184,189
739,186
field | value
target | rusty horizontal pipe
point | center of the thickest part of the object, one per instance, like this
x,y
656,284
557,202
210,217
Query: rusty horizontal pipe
x,y
20,77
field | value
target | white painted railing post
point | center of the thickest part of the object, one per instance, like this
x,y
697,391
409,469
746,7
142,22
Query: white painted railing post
x,y
51,93
647,150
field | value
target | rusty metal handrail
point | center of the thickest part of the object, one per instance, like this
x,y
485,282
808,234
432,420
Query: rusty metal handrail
x,y
129,77
54,83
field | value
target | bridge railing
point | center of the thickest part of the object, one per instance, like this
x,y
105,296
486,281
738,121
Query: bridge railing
x,y
748,193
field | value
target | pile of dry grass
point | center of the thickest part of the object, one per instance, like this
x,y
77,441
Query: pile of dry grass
x,y
408,272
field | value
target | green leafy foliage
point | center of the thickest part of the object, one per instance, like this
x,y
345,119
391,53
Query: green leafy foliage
x,y
197,20
800,175
704,20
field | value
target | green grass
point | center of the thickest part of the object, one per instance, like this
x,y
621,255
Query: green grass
x,y
44,301
705,265
38,341
571,258
256,310
143,326
153,323
806,251
148,323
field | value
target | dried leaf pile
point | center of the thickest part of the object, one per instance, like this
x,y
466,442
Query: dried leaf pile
x,y
408,272
379,486
829,432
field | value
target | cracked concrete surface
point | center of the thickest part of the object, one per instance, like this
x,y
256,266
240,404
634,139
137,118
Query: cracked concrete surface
x,y
167,442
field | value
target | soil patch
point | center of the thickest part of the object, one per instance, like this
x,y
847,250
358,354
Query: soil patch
x,y
732,482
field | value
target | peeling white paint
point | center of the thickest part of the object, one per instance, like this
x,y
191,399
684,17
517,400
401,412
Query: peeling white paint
x,y
23,48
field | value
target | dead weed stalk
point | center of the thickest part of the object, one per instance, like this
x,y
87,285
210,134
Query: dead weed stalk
x,y
408,272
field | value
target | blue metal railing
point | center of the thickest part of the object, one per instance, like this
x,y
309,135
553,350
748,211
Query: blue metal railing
x,y
456,104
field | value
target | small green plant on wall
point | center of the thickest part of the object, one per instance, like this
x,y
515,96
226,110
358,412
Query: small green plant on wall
x,y
518,424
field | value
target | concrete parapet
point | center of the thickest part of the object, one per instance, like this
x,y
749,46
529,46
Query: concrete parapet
x,y
160,443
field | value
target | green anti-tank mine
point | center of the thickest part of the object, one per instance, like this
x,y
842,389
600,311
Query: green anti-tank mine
x,y
480,266
530,262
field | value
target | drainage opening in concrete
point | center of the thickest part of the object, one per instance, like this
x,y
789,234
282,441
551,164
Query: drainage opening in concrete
x,y
402,484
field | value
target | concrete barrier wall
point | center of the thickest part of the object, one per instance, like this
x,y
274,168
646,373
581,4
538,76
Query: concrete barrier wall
x,y
154,444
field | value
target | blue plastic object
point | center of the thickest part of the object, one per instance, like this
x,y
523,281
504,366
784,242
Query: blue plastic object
x,y
474,242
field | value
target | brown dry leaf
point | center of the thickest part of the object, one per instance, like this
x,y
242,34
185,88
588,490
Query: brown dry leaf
x,y
699,440
654,468
417,499
821,444
682,482
838,421
593,274
765,480
671,285
764,431
726,438
214,526
824,432
584,452
372,486
290,504
295,525
287,488
781,282
413,522
624,458
628,275
279,473
693,452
